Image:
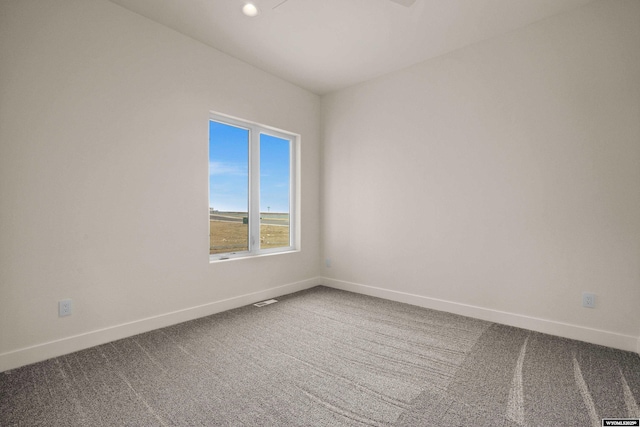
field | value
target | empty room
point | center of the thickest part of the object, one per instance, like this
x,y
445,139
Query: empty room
x,y
320,212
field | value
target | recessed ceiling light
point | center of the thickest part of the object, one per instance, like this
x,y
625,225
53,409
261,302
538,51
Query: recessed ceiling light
x,y
249,9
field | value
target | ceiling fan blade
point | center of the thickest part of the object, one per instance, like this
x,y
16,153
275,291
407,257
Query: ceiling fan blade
x,y
406,3
280,4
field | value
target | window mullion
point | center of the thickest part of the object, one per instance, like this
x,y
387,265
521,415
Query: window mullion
x,y
254,190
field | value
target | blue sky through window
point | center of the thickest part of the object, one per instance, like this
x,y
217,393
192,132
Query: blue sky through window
x,y
229,170
228,167
274,174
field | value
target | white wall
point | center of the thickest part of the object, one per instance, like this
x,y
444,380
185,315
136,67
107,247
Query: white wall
x,y
500,181
104,176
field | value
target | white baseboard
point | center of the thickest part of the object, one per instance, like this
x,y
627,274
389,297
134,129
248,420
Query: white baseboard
x,y
581,333
39,352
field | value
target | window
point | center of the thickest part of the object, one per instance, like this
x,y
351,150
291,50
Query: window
x,y
251,189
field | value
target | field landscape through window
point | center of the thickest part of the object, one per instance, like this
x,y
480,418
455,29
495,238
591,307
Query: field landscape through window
x,y
229,231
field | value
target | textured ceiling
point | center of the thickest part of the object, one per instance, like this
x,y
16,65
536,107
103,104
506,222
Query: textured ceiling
x,y
326,45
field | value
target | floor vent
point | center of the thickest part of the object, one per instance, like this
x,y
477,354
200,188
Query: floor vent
x,y
267,302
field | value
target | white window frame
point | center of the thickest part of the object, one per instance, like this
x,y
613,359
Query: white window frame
x,y
255,130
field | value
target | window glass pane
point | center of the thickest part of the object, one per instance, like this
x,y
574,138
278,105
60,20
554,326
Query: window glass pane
x,y
228,188
275,174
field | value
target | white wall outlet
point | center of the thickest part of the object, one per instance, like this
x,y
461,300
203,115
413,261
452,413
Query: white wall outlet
x,y
327,262
64,307
588,300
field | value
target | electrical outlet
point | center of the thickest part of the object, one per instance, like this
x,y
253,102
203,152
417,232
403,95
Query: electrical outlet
x,y
64,308
588,300
327,262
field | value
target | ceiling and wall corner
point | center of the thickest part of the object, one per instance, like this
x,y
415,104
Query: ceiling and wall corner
x,y
327,45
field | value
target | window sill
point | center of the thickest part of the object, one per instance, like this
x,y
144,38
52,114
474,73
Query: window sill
x,y
214,259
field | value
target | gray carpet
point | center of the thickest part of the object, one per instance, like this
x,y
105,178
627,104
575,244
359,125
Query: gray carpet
x,y
324,357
